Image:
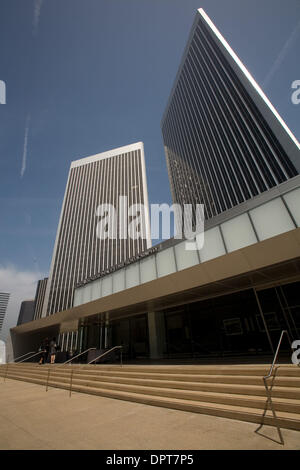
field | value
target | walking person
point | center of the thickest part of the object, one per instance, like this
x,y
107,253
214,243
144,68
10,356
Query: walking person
x,y
45,351
53,348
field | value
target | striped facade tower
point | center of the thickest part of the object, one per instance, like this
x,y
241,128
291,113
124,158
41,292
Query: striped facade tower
x,y
39,298
79,253
224,141
4,298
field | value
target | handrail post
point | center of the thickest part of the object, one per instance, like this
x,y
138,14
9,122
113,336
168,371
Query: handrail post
x,y
48,377
72,369
269,400
66,362
266,377
71,381
6,372
13,362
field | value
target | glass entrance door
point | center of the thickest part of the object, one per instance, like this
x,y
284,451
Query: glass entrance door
x,y
132,334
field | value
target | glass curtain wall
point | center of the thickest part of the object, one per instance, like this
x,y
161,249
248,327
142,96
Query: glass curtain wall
x,y
229,325
233,324
132,334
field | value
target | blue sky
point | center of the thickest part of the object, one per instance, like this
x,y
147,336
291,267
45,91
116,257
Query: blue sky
x,y
85,76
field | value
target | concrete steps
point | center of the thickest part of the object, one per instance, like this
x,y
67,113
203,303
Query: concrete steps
x,y
64,376
235,392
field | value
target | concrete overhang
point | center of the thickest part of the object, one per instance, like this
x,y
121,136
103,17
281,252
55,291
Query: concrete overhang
x,y
276,259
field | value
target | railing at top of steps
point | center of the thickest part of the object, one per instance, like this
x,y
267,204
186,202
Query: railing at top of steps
x,y
90,362
268,390
96,359
20,357
23,360
276,354
107,352
67,362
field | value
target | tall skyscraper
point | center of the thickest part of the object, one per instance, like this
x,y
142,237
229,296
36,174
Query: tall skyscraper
x,y
223,139
4,298
78,253
39,298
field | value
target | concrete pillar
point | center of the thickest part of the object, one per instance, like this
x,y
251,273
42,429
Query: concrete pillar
x,y
156,330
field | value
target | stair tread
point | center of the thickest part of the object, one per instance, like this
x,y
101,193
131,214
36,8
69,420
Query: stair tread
x,y
191,403
201,392
122,371
281,414
192,393
284,382
196,370
157,381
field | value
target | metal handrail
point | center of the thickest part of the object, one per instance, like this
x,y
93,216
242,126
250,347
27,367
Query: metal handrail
x,y
266,377
107,352
80,354
96,358
26,359
68,361
276,353
33,355
93,360
20,357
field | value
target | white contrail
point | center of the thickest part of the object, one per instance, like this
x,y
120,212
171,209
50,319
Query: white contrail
x,y
281,56
36,14
24,158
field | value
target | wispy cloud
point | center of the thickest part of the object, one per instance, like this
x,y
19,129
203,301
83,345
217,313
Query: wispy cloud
x,y
24,158
36,14
281,55
22,286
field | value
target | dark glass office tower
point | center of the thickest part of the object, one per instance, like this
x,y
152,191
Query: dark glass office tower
x,y
26,312
79,253
224,141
